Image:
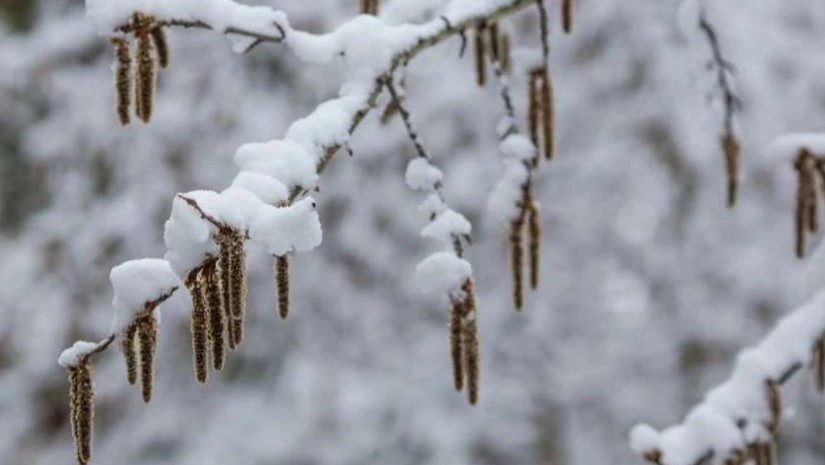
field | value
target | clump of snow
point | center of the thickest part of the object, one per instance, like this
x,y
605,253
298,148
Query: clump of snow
x,y
221,15
291,163
517,147
507,193
688,16
432,205
329,124
266,188
421,175
644,438
188,236
137,282
788,145
71,356
442,272
446,226
295,228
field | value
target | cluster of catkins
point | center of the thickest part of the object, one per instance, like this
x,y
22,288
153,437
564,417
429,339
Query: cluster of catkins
x,y
464,341
138,79
490,42
218,291
808,167
138,343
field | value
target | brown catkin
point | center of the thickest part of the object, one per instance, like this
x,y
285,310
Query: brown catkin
x,y
147,342
567,15
818,363
237,330
534,243
456,346
369,7
802,210
81,409
282,284
480,56
161,45
774,400
504,52
493,40
533,108
470,342
127,345
237,273
216,323
548,114
123,79
730,147
517,262
144,77
198,327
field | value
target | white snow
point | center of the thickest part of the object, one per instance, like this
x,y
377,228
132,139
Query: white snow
x,y
137,282
504,200
644,438
295,228
421,175
71,356
291,163
266,188
518,147
432,205
446,226
442,272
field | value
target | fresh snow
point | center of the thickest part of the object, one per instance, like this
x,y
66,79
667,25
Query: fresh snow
x,y
422,175
295,228
442,272
137,282
71,356
448,225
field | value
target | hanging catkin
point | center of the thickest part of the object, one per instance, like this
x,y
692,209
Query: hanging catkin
x,y
145,75
198,326
369,7
493,40
504,52
127,345
147,342
480,56
730,147
237,274
567,15
818,363
548,114
456,347
123,79
216,324
470,343
533,108
774,400
534,242
161,45
282,284
517,262
81,410
802,212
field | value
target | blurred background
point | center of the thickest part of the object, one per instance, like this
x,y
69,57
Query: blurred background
x,y
650,285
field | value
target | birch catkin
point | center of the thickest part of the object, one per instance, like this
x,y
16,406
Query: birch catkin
x,y
470,343
567,16
237,274
147,342
818,363
730,147
216,324
81,410
802,214
548,114
145,75
774,400
127,345
198,327
517,262
161,45
534,243
282,284
480,56
123,79
456,346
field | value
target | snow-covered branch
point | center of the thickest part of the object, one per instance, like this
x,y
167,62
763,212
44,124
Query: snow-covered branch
x,y
740,418
268,200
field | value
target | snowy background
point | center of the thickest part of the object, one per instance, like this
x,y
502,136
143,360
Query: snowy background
x,y
650,284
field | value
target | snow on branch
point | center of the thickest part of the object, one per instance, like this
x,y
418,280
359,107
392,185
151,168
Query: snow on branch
x,y
268,201
739,419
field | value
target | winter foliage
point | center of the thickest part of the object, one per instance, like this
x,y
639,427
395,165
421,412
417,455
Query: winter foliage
x,y
649,286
